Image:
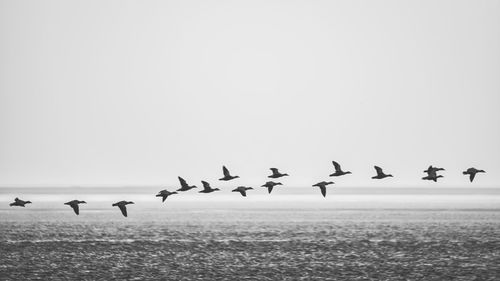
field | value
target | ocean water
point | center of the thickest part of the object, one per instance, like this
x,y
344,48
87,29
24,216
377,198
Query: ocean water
x,y
250,244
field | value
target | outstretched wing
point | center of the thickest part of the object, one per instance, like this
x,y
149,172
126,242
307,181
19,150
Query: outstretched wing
x,y
206,185
225,171
323,190
243,192
274,170
123,208
270,188
379,170
75,208
183,182
337,166
471,176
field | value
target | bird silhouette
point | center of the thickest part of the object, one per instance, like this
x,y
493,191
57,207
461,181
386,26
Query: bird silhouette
x,y
276,174
74,204
322,185
432,175
123,206
472,173
18,202
435,169
242,190
184,185
338,170
164,194
207,188
227,175
270,185
380,173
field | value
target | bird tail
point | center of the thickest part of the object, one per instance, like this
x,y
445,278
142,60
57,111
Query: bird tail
x,y
465,173
11,204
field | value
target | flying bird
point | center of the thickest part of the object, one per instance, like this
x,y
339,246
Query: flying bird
x,y
472,173
270,185
435,169
227,175
19,202
74,204
123,206
164,194
432,175
276,174
242,190
207,188
322,185
380,173
338,170
184,185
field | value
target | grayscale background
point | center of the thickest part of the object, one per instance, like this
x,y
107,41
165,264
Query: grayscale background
x,y
109,100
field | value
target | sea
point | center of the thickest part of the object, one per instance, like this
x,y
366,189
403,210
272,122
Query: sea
x,y
389,235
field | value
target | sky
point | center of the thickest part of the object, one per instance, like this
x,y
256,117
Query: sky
x,y
111,93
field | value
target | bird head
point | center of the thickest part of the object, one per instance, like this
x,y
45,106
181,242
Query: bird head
x,y
130,202
82,202
348,172
279,183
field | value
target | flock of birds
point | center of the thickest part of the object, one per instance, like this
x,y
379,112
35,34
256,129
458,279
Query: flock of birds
x,y
164,194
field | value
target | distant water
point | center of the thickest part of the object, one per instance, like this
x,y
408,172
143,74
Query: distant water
x,y
248,244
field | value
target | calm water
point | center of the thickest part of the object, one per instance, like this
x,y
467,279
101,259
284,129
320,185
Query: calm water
x,y
286,244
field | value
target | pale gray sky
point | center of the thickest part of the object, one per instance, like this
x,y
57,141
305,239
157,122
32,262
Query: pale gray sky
x,y
139,92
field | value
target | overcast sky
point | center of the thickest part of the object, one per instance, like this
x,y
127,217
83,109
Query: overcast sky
x,y
139,92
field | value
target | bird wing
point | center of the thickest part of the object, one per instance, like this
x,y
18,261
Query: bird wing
x,y
323,190
123,208
75,208
337,166
471,176
183,182
432,173
270,188
379,170
206,185
164,197
225,171
274,170
243,192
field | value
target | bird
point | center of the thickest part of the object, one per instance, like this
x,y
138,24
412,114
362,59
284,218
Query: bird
x,y
322,185
74,204
380,173
227,175
123,206
276,174
432,175
207,188
270,185
338,170
242,190
435,169
472,173
164,194
184,185
19,202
